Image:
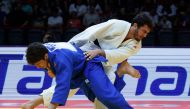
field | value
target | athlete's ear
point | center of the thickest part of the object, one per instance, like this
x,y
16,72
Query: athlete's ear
x,y
46,56
135,25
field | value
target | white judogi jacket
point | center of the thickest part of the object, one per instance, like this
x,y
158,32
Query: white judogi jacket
x,y
110,36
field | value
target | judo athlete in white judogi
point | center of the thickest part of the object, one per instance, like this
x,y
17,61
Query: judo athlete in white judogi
x,y
71,71
118,41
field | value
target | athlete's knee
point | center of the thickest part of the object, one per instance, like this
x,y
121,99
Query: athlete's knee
x,y
27,106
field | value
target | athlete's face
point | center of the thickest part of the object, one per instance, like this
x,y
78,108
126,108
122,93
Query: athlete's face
x,y
141,32
43,63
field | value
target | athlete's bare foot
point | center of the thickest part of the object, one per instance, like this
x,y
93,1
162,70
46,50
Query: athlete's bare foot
x,y
126,68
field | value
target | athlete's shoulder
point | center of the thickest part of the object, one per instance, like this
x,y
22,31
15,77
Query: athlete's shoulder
x,y
118,21
59,46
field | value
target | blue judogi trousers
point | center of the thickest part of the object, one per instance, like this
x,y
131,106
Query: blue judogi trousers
x,y
102,87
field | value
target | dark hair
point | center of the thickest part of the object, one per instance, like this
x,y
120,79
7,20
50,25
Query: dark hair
x,y
143,19
35,52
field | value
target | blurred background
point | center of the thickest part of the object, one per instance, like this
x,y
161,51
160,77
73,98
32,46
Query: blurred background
x,y
26,21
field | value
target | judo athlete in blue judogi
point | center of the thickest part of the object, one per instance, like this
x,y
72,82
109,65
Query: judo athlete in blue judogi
x,y
71,70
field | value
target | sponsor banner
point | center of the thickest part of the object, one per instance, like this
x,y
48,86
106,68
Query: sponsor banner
x,y
165,75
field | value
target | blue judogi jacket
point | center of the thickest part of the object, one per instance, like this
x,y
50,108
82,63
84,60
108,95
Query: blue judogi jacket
x,y
71,70
67,63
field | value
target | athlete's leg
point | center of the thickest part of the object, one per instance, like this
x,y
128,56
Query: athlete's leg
x,y
33,103
45,98
103,88
109,70
99,105
126,68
